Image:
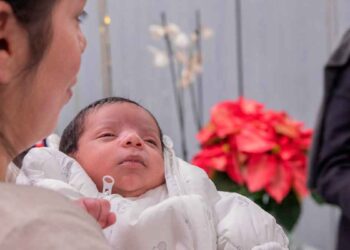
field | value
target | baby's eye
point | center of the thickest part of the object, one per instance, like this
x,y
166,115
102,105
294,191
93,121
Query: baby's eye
x,y
104,135
151,141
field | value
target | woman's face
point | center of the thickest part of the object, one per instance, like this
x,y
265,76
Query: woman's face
x,y
51,86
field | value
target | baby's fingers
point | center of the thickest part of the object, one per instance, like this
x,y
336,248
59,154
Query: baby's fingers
x,y
99,209
106,217
92,206
111,219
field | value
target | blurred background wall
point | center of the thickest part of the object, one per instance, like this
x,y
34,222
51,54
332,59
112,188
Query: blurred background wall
x,y
275,48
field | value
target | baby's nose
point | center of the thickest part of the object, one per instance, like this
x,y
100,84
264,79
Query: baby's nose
x,y
132,140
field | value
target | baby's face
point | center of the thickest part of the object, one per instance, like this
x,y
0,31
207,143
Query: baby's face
x,y
122,140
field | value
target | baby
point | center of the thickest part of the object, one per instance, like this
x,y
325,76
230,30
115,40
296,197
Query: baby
x,y
117,152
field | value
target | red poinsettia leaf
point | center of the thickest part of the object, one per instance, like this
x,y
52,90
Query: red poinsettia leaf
x,y
260,170
299,176
282,141
233,170
206,133
197,161
289,151
250,107
307,133
242,158
224,117
289,131
215,150
251,140
281,184
211,164
299,184
219,163
213,157
304,141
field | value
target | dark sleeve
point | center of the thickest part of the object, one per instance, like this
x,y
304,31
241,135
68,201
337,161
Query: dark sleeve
x,y
334,157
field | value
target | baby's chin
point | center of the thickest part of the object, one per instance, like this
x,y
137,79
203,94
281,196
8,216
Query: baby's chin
x,y
130,193
129,187
135,185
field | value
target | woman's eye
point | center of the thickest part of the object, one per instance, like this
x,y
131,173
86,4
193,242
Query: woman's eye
x,y
82,16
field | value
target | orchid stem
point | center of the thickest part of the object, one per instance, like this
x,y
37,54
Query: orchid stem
x,y
195,107
178,96
199,77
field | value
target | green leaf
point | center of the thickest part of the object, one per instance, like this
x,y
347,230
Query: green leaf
x,y
288,212
318,198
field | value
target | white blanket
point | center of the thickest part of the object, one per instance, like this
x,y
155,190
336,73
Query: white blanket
x,y
185,213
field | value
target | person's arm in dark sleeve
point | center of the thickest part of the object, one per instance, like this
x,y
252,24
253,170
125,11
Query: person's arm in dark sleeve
x,y
334,157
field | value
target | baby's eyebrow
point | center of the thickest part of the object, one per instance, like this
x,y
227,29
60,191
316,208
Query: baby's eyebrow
x,y
103,128
152,130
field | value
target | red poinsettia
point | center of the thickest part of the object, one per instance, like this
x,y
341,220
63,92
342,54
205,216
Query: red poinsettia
x,y
258,148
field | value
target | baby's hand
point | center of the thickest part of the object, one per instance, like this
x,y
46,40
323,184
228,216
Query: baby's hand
x,y
99,209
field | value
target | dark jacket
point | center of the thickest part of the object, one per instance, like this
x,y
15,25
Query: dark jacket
x,y
330,155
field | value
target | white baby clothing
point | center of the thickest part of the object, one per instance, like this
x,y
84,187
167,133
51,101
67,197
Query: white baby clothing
x,y
187,212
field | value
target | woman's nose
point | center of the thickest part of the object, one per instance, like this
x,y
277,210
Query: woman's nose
x,y
132,140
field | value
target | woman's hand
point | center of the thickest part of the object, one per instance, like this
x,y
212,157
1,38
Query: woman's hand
x,y
99,209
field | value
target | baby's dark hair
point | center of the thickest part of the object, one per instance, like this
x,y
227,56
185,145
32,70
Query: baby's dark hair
x,y
74,130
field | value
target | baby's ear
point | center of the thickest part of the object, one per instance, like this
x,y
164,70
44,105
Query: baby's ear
x,y
72,155
14,44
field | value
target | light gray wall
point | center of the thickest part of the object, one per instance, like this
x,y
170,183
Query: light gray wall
x,y
285,44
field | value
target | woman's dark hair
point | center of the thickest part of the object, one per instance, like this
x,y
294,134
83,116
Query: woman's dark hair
x,y
35,18
74,130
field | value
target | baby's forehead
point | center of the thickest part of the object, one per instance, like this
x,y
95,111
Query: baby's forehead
x,y
121,114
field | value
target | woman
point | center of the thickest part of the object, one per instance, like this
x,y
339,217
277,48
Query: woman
x,y
40,49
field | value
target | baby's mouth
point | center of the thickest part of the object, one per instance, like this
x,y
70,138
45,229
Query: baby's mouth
x,y
133,160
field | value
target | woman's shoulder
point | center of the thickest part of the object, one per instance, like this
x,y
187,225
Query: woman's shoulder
x,y
42,219
12,194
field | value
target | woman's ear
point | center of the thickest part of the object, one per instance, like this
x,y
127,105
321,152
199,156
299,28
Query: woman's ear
x,y
13,44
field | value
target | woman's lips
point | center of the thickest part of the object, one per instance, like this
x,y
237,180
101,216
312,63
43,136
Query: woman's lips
x,y
70,89
70,92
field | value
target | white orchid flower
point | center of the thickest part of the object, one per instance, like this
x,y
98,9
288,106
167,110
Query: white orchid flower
x,y
207,33
173,29
187,78
160,58
157,31
181,57
182,41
